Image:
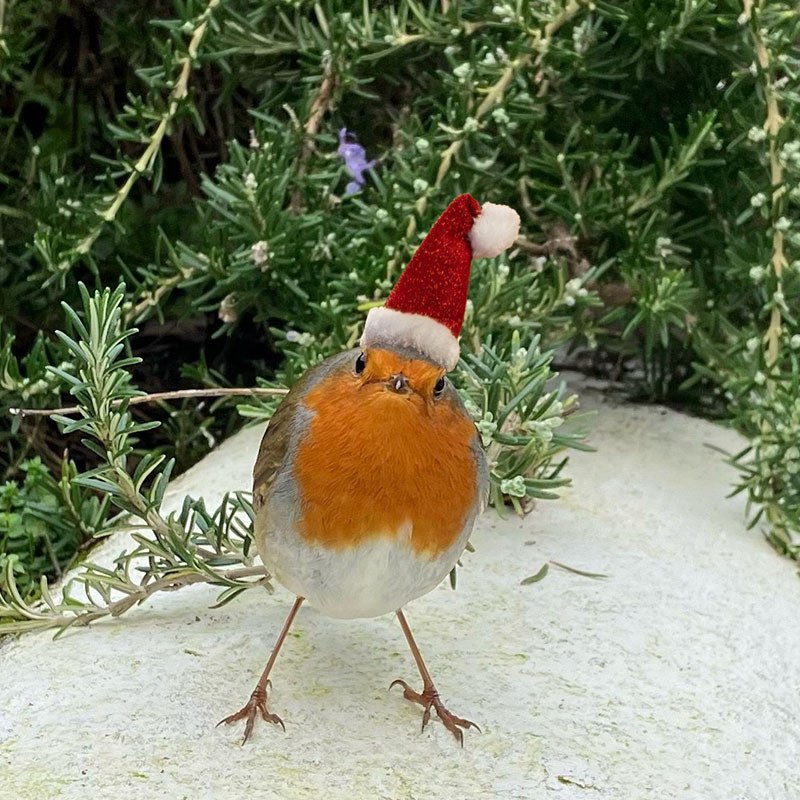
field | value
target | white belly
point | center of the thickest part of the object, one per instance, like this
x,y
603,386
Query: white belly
x,y
375,577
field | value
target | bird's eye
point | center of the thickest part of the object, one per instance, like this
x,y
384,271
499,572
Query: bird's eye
x,y
361,362
439,387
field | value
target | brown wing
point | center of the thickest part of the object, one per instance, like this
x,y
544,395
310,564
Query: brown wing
x,y
274,445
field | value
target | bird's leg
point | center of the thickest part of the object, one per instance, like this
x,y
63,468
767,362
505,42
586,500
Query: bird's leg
x,y
429,697
258,699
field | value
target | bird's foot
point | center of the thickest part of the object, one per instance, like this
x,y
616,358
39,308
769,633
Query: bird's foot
x,y
257,704
429,699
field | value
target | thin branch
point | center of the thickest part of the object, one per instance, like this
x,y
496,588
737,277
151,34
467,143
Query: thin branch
x,y
119,607
179,92
153,298
155,397
318,108
772,126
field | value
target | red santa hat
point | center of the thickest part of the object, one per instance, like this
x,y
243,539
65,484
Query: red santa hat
x,y
425,309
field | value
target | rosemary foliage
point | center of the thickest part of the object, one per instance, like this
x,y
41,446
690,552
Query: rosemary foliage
x,y
188,546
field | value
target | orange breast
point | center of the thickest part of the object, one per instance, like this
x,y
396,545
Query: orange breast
x,y
374,462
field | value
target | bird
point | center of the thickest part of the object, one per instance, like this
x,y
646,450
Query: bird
x,y
371,473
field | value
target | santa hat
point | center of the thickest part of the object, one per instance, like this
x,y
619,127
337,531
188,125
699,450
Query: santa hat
x,y
425,309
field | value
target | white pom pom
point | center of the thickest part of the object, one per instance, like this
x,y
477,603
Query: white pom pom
x,y
494,230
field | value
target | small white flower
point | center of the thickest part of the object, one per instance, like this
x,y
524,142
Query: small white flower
x,y
760,378
381,214
259,253
573,286
753,69
790,153
254,143
304,339
582,37
423,145
469,307
560,158
515,321
486,427
795,342
569,300
539,262
756,134
514,487
783,224
758,200
36,150
757,273
751,344
500,116
461,71
720,85
489,59
250,182
227,308
470,125
60,180
503,271
420,185
663,246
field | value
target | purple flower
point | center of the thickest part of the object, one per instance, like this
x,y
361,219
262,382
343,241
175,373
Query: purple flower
x,y
355,160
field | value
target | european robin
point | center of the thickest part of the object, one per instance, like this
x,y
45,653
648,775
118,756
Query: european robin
x,y
371,473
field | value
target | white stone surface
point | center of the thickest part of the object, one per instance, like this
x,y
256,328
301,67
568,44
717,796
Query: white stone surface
x,y
677,677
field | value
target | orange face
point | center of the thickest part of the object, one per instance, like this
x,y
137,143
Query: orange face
x,y
386,454
413,380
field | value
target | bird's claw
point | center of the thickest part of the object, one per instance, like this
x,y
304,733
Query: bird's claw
x,y
429,699
257,704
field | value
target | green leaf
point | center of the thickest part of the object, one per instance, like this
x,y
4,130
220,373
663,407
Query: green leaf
x,y
535,578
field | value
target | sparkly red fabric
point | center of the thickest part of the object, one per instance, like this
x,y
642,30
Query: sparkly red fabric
x,y
434,282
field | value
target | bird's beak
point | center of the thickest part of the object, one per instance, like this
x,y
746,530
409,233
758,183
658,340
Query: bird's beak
x,y
398,383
